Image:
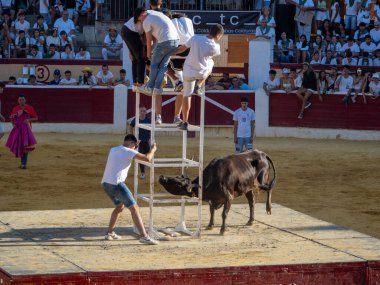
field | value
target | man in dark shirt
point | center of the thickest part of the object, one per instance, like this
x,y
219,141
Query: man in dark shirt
x,y
309,86
56,77
144,136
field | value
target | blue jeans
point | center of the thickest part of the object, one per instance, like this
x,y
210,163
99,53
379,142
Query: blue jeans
x,y
159,63
241,143
285,58
119,194
24,159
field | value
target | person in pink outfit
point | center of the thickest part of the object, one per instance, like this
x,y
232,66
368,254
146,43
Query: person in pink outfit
x,y
21,140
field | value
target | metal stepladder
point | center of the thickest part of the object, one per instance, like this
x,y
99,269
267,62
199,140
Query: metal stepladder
x,y
162,198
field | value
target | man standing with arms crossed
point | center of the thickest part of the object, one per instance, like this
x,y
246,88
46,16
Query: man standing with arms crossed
x,y
113,182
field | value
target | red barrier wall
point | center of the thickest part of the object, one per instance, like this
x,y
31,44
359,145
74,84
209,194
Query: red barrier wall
x,y
63,105
213,114
332,113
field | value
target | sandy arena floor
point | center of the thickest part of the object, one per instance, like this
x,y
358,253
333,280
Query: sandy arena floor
x,y
333,180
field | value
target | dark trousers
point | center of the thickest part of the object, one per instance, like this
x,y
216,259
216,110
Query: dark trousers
x,y
144,148
135,46
24,159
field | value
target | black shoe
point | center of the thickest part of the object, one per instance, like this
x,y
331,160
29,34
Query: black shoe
x,y
178,87
183,126
197,90
22,166
307,104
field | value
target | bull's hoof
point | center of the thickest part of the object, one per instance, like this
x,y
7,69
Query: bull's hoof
x,y
269,212
222,231
209,227
249,223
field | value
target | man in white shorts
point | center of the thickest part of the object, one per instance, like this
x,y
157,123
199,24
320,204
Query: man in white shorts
x,y
198,66
244,126
2,119
118,163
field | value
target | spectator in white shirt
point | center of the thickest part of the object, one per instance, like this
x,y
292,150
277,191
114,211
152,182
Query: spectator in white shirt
x,y
365,60
304,5
352,46
104,76
267,32
44,10
65,24
83,54
38,40
22,24
63,41
375,33
113,44
21,45
68,53
34,53
350,19
7,7
40,24
285,47
52,53
316,58
329,59
272,82
374,86
68,80
368,46
344,81
376,61
302,49
361,33
349,59
53,38
122,79
268,17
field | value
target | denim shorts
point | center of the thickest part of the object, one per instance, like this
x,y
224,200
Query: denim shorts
x,y
119,194
241,143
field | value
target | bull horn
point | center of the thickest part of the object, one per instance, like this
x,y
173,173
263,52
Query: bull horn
x,y
270,185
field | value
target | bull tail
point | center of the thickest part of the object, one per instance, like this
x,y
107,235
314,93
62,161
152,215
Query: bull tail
x,y
270,185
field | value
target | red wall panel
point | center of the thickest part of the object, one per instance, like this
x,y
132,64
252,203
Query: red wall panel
x,y
332,113
64,105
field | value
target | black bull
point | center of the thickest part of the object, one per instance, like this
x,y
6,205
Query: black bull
x,y
226,178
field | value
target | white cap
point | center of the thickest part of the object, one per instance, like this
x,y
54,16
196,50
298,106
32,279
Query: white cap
x,y
375,75
285,70
240,76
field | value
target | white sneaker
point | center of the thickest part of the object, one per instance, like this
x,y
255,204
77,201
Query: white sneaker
x,y
158,120
112,236
148,240
145,90
142,176
177,120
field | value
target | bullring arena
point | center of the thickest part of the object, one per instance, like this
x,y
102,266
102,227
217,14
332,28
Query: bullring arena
x,y
324,227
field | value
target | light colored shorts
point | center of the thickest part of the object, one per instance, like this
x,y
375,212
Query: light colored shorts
x,y
243,144
188,85
2,128
119,194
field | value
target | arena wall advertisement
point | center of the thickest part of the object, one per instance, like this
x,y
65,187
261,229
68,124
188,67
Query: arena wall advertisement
x,y
234,23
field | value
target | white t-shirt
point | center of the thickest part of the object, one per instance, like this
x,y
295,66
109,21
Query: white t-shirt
x,y
185,29
61,25
353,61
354,48
351,10
52,40
268,32
368,48
375,35
137,28
367,62
345,83
65,55
22,26
244,119
199,62
64,81
275,83
118,163
35,26
85,56
104,78
113,43
375,88
6,3
161,27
